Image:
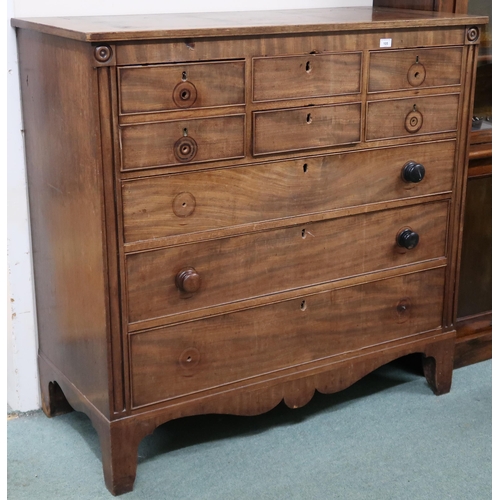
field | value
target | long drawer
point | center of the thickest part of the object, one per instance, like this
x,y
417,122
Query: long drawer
x,y
186,203
238,268
191,357
309,127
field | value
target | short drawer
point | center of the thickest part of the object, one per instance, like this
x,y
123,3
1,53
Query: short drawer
x,y
309,127
199,275
413,116
182,141
201,201
416,68
293,77
180,360
146,89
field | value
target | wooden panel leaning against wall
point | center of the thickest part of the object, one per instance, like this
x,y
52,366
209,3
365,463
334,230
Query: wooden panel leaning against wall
x,y
473,290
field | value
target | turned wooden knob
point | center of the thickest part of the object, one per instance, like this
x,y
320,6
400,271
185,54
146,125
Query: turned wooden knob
x,y
408,239
188,280
413,172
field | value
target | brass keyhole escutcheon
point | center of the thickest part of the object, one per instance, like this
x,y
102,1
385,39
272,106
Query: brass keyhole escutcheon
x,y
414,121
185,149
416,74
185,95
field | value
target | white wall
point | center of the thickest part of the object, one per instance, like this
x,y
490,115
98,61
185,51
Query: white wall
x,y
22,391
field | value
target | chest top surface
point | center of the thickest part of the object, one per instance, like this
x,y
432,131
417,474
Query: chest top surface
x,y
216,24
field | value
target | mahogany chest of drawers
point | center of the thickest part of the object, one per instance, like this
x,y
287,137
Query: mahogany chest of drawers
x,y
231,210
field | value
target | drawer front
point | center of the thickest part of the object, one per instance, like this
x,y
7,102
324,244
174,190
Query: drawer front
x,y
182,141
181,86
413,116
419,68
293,77
309,127
192,202
199,355
238,268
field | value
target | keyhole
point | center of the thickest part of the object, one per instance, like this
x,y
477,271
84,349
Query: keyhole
x,y
184,76
303,233
185,132
308,66
416,60
414,107
303,305
309,119
305,167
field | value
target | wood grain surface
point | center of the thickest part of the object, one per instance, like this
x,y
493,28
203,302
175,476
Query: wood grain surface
x,y
216,203
199,355
153,144
210,24
59,94
239,268
386,119
276,78
159,88
310,127
429,68
168,205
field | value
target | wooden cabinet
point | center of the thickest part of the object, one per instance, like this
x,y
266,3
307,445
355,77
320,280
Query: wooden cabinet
x,y
242,212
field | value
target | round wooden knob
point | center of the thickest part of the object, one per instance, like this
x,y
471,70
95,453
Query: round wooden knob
x,y
188,280
413,172
408,239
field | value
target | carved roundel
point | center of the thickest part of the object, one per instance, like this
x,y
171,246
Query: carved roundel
x,y
184,204
185,149
414,121
416,74
473,34
185,95
403,308
189,359
102,53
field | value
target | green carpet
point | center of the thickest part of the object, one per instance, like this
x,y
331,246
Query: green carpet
x,y
386,437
